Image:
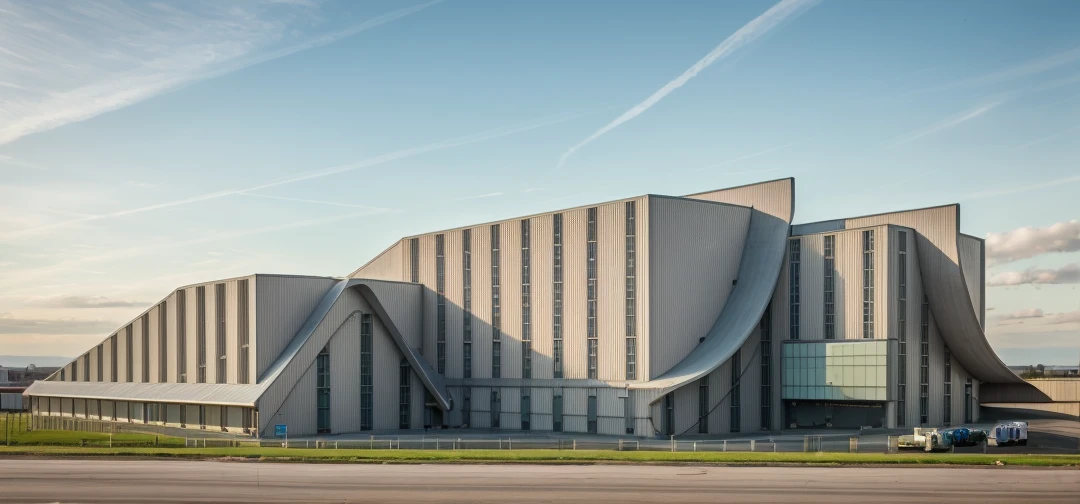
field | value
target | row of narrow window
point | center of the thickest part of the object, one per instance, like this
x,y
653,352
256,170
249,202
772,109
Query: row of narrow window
x,y
146,413
829,286
221,352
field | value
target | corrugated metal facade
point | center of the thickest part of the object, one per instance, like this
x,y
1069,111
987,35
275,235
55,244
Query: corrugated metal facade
x,y
695,249
389,265
284,304
971,251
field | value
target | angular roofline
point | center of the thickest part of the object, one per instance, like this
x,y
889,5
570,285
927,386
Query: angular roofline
x,y
792,179
881,213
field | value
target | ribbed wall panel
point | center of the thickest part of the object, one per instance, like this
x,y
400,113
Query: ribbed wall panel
x,y
403,303
543,298
750,383
232,342
155,346
611,292
213,418
191,331
427,278
644,299
686,409
137,352
695,249
481,308
937,375
93,364
849,285
389,265
417,389
284,303
454,307
481,405
610,412
192,416
171,304
971,262
344,349
883,280
510,416
510,242
212,330
122,412
774,197
542,399
79,408
121,356
914,330
575,295
107,357
575,409
386,360
172,415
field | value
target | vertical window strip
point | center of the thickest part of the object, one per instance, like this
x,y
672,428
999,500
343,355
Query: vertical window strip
x,y
414,260
526,409
322,391
631,290
181,336
440,292
145,326
100,363
590,299
219,312
557,296
200,334
947,396
526,302
591,410
86,367
868,284
366,372
466,329
736,391
766,368
242,332
901,324
404,394
129,354
703,405
466,407
496,408
74,371
924,364
496,306
557,411
830,287
794,270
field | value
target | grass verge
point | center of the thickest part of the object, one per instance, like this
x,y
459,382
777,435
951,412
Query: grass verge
x,y
546,456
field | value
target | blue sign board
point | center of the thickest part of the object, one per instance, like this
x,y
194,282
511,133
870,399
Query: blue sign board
x,y
281,430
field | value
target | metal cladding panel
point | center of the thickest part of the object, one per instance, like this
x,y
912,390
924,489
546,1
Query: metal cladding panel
x,y
172,415
344,349
643,285
211,333
775,197
213,417
1059,390
575,409
950,301
542,399
108,410
417,389
283,306
510,416
914,332
389,265
121,356
193,393
171,324
404,304
611,291
481,305
232,341
137,352
812,287
970,251
696,249
937,374
386,360
849,285
882,282
253,329
454,305
122,412
686,409
191,335
298,411
510,248
427,279
154,344
80,408
93,364
481,408
542,290
107,357
575,295
750,383
719,399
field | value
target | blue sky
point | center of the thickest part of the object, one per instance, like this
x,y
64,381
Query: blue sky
x,y
144,146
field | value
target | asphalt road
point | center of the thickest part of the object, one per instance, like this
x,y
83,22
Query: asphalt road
x,y
93,481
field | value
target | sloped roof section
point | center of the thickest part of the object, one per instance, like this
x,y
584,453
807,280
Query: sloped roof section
x,y
174,393
773,205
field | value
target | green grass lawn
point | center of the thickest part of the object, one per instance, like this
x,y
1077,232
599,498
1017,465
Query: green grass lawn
x,y
15,433
548,456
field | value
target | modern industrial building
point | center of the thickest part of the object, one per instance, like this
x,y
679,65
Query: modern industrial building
x,y
654,315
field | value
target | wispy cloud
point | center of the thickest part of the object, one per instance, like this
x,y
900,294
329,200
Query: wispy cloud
x,y
10,324
1036,316
745,35
317,202
84,302
64,64
1068,274
1025,242
1048,138
1025,69
944,124
480,196
1014,189
18,163
309,175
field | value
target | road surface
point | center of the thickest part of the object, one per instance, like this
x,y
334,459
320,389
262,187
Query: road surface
x,y
93,481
